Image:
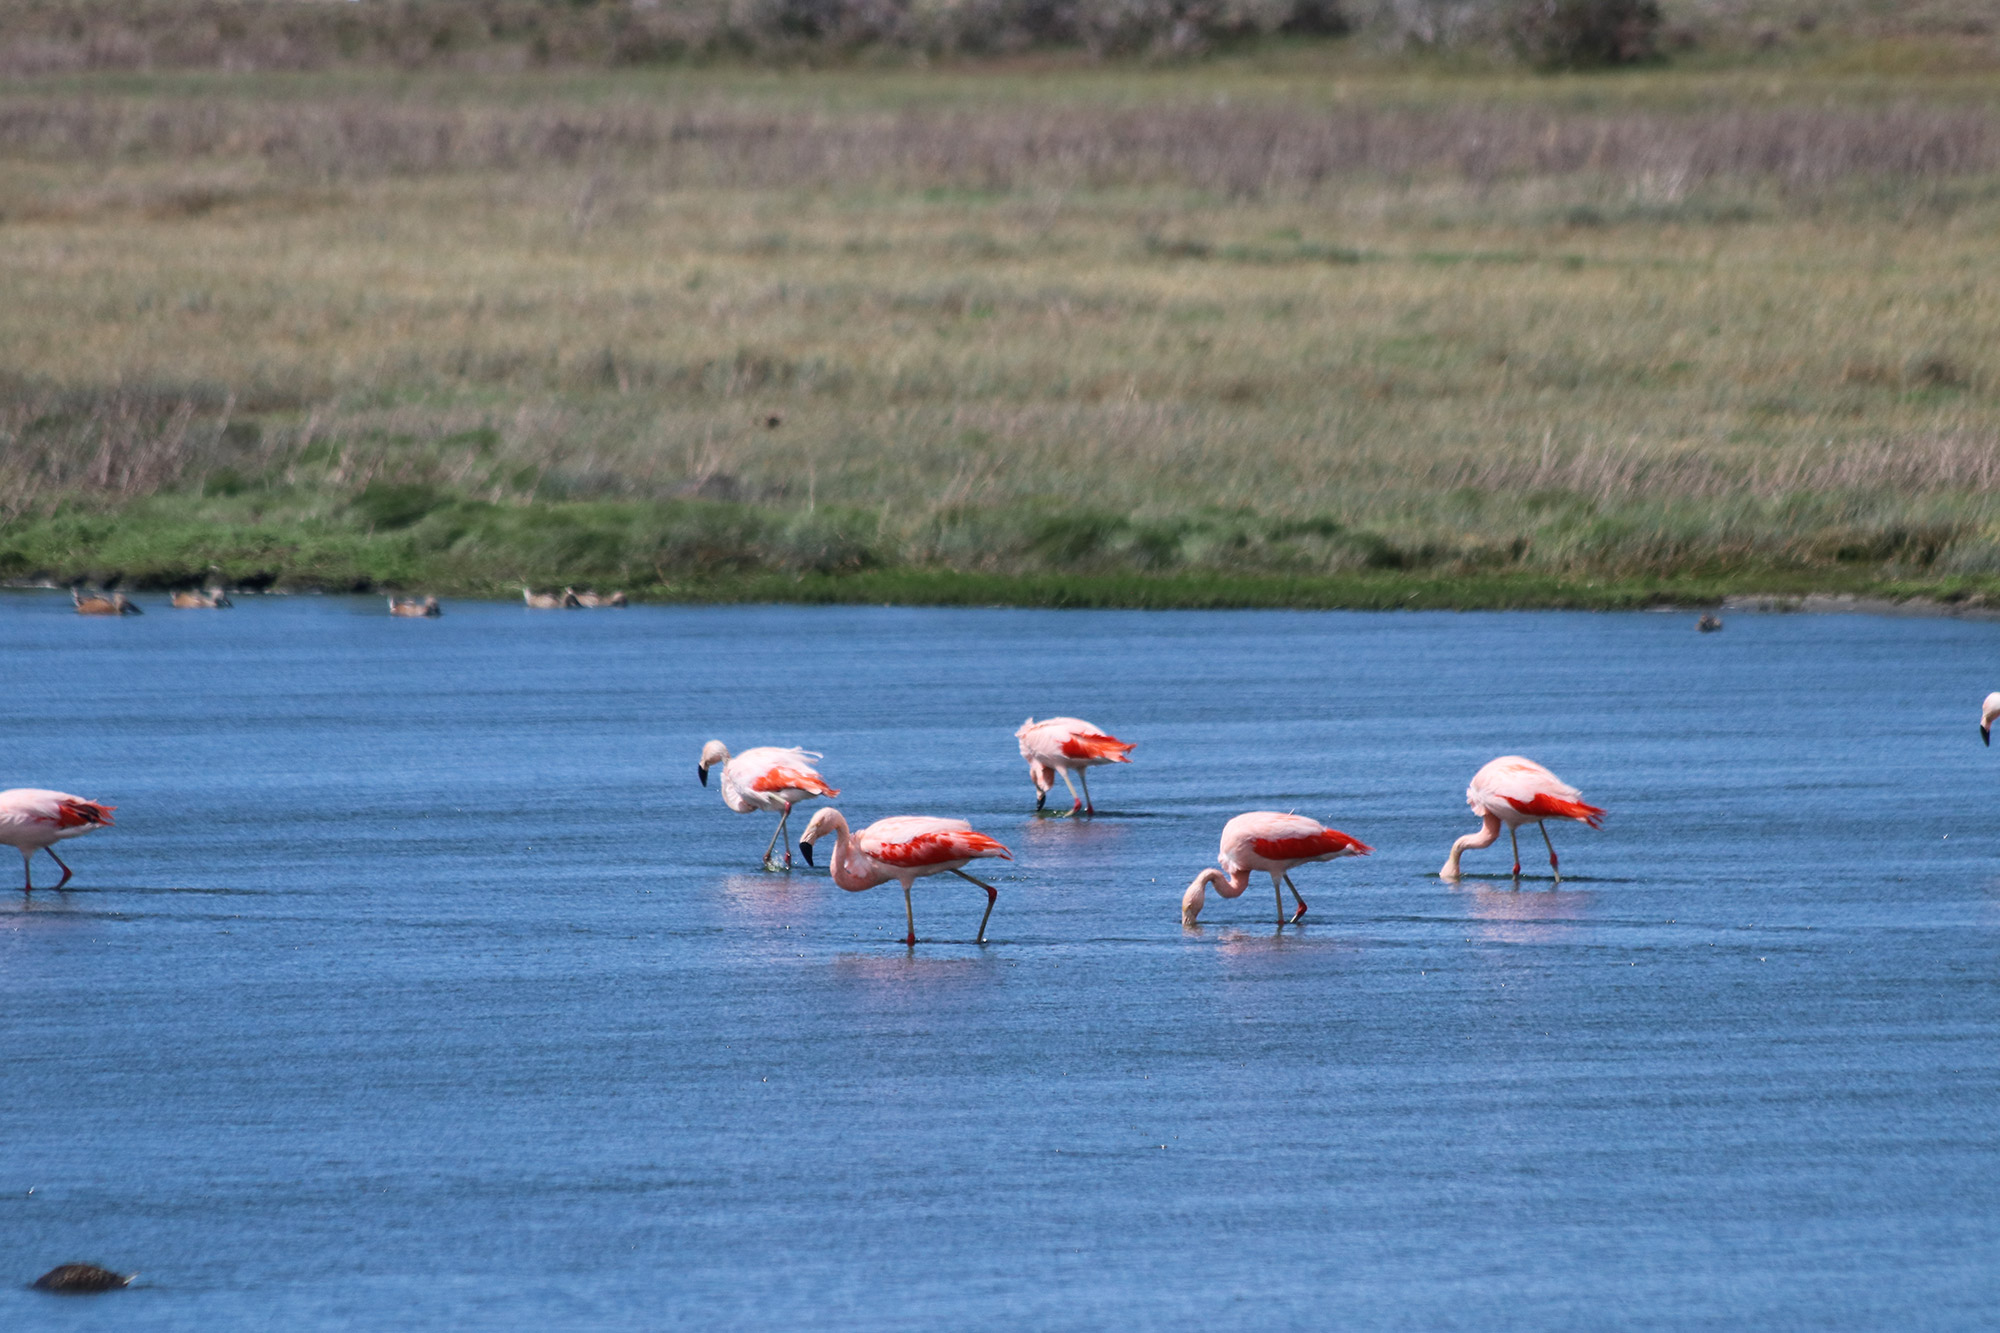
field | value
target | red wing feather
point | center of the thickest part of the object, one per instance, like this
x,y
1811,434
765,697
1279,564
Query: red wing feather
x,y
1095,745
928,849
780,779
74,814
1306,848
1545,806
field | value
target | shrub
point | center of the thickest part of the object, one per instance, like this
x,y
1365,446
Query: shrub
x,y
1584,34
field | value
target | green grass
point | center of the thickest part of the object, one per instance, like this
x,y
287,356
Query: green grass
x,y
1284,329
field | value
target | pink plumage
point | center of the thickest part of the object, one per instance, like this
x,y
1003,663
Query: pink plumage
x,y
33,819
904,848
1274,843
1065,745
771,778
1512,791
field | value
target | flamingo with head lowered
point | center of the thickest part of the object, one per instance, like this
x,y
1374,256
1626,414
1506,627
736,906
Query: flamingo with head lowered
x,y
769,777
33,820
1987,712
1516,791
1065,745
1275,844
905,849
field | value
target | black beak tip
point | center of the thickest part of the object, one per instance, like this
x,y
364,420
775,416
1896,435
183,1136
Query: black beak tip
x,y
1986,736
806,850
701,773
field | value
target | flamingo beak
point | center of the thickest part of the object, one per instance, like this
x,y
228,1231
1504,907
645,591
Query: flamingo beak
x,y
1985,734
806,850
1041,799
701,771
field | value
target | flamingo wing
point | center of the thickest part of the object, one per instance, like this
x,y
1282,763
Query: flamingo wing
x,y
1514,787
912,841
34,806
1096,745
782,778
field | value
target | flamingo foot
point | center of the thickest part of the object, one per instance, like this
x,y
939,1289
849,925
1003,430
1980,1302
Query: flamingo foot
x,y
910,938
1296,915
1517,870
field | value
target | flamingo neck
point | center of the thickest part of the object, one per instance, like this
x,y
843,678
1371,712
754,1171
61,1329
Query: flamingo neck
x,y
846,866
1489,829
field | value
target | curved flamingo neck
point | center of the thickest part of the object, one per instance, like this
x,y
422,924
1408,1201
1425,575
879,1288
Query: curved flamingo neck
x,y
847,866
1489,829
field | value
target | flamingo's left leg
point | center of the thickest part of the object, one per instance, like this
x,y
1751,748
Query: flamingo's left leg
x,y
992,895
1516,839
774,838
27,869
1295,898
1553,864
1083,776
909,915
1278,892
1076,802
784,827
59,861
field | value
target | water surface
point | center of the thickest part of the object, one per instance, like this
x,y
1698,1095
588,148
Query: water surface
x,y
421,984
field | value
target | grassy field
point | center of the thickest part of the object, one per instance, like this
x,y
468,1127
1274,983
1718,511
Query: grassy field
x,y
1302,327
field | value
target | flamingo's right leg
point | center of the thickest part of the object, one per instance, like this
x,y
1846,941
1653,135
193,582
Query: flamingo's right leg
x,y
1083,776
992,896
909,915
1515,838
784,831
27,870
1076,802
1278,891
1295,898
1553,865
59,861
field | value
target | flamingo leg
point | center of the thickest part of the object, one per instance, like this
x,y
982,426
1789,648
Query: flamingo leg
x,y
1083,776
909,915
1516,839
1278,891
27,870
1553,865
1076,802
774,839
59,861
992,896
1295,898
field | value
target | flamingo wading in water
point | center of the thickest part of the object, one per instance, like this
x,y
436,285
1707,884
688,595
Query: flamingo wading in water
x,y
1987,712
1064,745
905,849
33,820
1516,791
1274,843
769,777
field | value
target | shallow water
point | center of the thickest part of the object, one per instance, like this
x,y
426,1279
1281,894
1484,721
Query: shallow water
x,y
421,984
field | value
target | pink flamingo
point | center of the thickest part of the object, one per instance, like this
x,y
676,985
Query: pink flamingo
x,y
1987,712
769,777
1062,745
1274,843
905,849
33,820
1516,791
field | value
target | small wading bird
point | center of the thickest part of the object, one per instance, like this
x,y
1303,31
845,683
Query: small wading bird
x,y
1062,745
1274,843
550,601
81,1280
1516,791
213,599
33,820
411,607
905,849
105,604
1987,712
769,777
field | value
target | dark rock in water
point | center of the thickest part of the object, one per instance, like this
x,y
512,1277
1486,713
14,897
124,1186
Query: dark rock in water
x,y
79,1279
1708,624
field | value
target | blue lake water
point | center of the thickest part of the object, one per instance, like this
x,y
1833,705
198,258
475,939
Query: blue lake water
x,y
420,984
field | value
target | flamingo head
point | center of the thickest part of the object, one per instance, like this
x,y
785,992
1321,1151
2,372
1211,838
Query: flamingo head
x,y
1043,777
713,753
1196,896
1987,712
824,821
